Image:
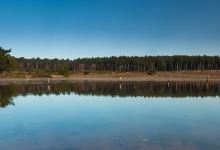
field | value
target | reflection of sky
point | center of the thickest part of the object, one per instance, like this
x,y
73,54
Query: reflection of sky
x,y
71,120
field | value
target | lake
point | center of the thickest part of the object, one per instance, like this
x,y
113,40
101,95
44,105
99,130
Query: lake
x,y
87,115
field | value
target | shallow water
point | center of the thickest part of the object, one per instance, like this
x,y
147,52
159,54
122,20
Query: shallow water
x,y
59,117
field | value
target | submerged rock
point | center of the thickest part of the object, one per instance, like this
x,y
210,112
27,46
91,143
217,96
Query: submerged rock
x,y
144,139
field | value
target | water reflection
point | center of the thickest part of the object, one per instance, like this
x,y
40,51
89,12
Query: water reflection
x,y
110,116
121,89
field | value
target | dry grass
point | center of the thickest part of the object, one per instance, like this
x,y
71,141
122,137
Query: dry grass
x,y
120,75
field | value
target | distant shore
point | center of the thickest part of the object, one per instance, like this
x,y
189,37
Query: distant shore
x,y
117,76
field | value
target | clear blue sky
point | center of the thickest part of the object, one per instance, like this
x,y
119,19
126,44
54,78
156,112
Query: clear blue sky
x,y
87,28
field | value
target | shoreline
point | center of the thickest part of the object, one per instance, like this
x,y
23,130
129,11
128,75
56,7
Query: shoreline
x,y
212,76
54,80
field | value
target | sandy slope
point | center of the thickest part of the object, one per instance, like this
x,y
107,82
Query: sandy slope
x,y
126,76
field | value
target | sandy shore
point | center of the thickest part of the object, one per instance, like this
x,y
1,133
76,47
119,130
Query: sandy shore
x,y
127,76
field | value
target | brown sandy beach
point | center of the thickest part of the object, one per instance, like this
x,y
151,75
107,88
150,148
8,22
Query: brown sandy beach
x,y
121,76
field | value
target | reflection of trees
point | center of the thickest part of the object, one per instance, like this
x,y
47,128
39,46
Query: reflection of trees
x,y
6,94
122,89
148,89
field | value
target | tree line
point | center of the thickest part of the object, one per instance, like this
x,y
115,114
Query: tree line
x,y
121,63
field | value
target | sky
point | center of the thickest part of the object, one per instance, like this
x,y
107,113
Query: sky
x,y
97,28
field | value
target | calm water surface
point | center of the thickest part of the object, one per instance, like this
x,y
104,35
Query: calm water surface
x,y
79,117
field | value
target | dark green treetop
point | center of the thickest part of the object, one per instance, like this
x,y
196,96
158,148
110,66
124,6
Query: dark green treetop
x,y
7,62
